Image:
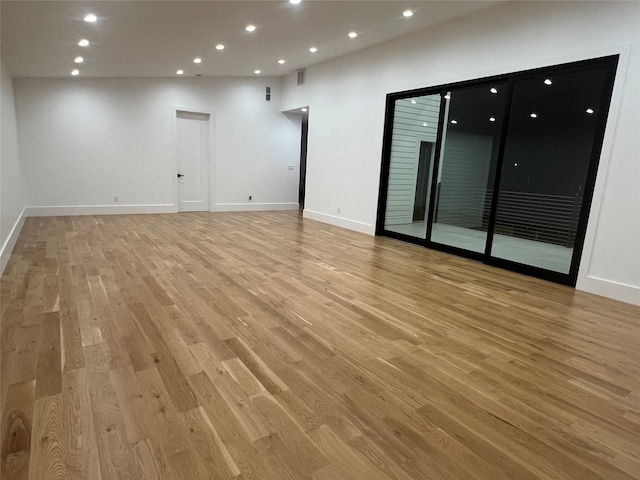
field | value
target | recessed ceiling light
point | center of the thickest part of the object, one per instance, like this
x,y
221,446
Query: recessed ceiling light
x,y
515,164
589,111
219,46
250,28
548,81
281,61
78,60
407,13
197,60
493,90
180,72
257,72
75,72
534,115
84,42
304,110
492,119
455,122
313,49
90,17
294,2
352,34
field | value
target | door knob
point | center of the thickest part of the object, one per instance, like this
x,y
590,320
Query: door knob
x,y
180,175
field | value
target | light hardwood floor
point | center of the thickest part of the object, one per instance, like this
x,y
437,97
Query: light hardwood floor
x,y
261,345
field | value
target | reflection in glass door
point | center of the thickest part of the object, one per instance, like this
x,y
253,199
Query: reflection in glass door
x,y
415,129
466,170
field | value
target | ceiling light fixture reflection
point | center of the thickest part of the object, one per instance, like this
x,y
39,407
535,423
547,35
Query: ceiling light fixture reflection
x,y
257,72
304,110
250,28
454,122
352,34
313,49
407,14
180,72
589,110
281,61
90,18
493,90
425,124
414,102
83,43
447,96
492,119
220,46
78,60
197,60
75,72
534,115
548,81
294,2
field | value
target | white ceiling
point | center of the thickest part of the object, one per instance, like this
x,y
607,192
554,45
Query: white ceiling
x,y
155,38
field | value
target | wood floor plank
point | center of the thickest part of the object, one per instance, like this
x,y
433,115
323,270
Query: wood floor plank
x,y
80,446
47,439
17,421
114,452
208,443
266,346
151,461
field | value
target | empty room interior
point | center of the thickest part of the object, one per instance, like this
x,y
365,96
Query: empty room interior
x,y
320,240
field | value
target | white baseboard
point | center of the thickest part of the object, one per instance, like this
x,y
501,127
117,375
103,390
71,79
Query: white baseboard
x,y
64,211
340,222
11,240
253,207
608,288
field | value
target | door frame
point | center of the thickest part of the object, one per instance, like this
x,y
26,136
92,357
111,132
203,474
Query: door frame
x,y
210,154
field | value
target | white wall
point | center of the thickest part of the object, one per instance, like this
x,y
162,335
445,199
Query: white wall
x,y
346,99
11,202
83,141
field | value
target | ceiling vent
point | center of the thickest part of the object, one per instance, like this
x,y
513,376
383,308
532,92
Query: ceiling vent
x,y
302,76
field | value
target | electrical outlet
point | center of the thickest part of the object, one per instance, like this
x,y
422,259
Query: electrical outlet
x,y
116,199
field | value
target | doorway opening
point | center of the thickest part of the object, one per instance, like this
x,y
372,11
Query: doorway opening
x,y
422,182
303,160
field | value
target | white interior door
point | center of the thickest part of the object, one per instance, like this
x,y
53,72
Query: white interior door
x,y
192,137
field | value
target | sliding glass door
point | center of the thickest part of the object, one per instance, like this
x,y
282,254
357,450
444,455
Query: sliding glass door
x,y
550,139
500,169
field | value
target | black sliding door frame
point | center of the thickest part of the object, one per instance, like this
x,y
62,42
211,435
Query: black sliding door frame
x,y
608,63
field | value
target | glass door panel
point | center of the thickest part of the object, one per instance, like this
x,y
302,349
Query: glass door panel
x,y
550,136
466,171
415,129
